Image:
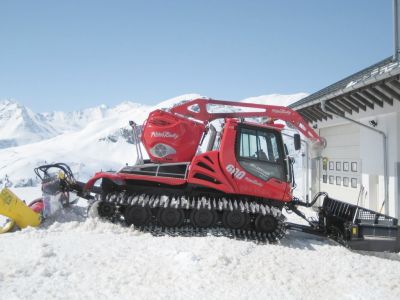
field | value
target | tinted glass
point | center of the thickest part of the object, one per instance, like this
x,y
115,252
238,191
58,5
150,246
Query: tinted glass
x,y
259,153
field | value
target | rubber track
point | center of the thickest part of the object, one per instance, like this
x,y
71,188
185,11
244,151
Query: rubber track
x,y
124,200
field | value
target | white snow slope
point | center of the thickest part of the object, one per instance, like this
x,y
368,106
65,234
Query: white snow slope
x,y
78,258
71,257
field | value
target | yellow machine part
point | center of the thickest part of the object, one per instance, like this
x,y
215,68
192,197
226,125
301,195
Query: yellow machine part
x,y
7,227
15,209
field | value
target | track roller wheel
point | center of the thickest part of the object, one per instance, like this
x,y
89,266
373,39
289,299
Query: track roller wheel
x,y
235,219
203,218
93,209
171,217
137,215
336,234
266,223
106,210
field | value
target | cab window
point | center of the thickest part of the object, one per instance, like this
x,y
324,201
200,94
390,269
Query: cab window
x,y
258,153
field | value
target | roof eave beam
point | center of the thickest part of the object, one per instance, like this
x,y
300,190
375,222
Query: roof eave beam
x,y
309,116
348,104
319,113
393,89
363,100
371,98
342,106
379,94
318,108
355,102
334,108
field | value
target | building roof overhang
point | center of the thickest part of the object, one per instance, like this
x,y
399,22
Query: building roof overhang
x,y
375,86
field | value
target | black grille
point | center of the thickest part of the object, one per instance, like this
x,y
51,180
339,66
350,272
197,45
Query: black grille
x,y
360,215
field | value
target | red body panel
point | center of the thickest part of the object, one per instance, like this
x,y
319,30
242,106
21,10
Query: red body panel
x,y
121,177
248,184
37,206
171,138
205,170
216,170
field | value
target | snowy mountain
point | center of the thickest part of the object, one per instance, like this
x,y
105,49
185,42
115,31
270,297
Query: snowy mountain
x,y
19,125
89,140
76,120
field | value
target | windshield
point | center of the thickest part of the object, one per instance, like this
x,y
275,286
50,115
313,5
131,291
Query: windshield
x,y
259,153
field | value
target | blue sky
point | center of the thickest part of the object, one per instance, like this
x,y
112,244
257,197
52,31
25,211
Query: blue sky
x,y
66,55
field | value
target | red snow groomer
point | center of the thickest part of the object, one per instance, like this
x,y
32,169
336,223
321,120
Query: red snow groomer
x,y
237,186
240,182
234,181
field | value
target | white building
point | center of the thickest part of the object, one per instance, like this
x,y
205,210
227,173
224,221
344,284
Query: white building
x,y
359,117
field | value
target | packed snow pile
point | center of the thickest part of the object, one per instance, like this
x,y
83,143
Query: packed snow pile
x,y
78,258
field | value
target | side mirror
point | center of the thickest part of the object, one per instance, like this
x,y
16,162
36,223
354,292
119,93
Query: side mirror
x,y
297,141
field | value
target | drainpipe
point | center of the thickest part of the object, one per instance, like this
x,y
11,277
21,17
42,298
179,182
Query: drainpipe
x,y
307,170
385,152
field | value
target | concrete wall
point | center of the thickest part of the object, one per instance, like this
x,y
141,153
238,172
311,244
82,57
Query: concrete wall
x,y
342,151
349,143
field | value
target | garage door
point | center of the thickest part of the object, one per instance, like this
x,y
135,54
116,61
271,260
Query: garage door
x,y
339,168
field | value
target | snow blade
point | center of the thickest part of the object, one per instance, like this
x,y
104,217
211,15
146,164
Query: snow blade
x,y
360,228
17,211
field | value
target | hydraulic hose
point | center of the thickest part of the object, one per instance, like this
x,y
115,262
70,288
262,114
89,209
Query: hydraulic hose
x,y
297,201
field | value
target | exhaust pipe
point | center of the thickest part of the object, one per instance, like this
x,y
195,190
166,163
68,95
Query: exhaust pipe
x,y
396,30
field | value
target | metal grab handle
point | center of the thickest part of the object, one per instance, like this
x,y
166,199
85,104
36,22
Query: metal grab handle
x,y
136,141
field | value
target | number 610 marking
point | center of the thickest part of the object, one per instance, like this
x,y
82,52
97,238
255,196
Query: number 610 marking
x,y
235,172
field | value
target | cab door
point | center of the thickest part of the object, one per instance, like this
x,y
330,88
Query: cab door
x,y
260,154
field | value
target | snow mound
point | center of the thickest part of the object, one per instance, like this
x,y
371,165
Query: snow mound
x,y
78,258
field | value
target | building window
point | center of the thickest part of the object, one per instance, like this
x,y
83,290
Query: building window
x,y
324,178
346,181
338,166
331,165
346,166
354,166
331,179
354,182
338,180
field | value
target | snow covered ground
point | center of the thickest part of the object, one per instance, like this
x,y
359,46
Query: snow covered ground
x,y
71,257
78,258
